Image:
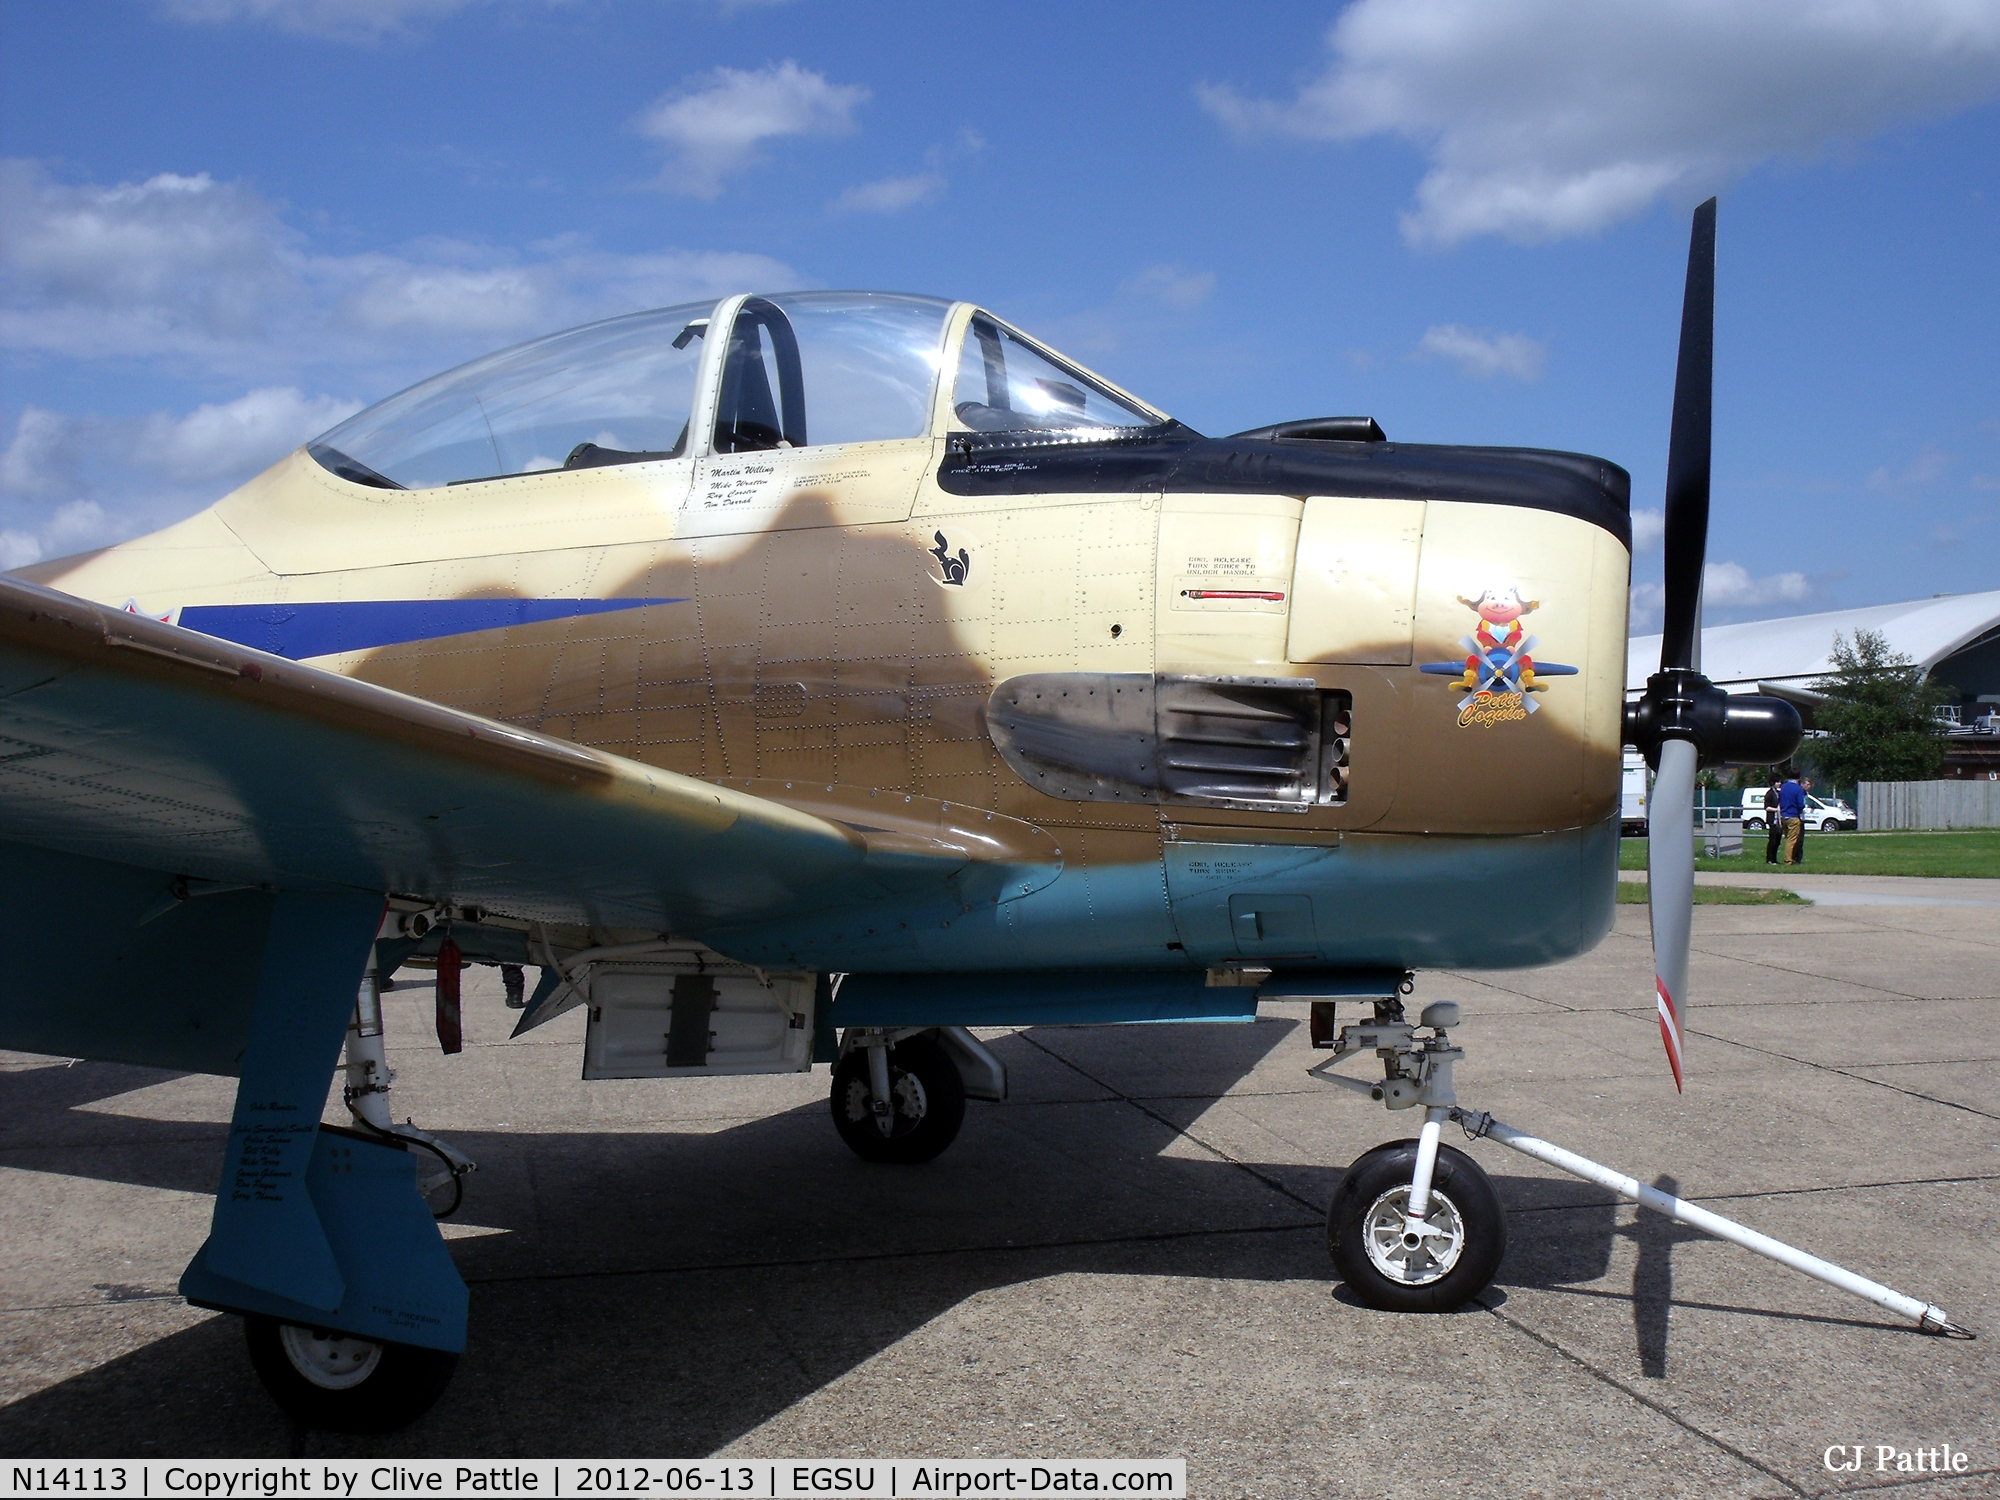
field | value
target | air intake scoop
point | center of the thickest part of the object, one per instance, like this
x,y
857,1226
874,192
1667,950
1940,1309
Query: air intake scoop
x,y
1272,743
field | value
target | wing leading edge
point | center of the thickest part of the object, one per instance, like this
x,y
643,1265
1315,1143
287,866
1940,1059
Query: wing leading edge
x,y
127,740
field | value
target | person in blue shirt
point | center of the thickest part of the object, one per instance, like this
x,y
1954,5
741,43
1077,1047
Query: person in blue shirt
x,y
1792,808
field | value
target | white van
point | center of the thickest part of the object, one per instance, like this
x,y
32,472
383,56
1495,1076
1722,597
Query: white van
x,y
1821,815
1632,799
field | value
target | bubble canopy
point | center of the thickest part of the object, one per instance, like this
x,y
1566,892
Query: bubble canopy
x,y
802,369
625,384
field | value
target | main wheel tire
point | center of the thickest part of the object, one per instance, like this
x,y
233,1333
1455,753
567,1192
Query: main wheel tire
x,y
340,1384
927,1093
1466,1233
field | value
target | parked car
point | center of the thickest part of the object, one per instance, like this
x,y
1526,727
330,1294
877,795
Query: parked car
x,y
1821,815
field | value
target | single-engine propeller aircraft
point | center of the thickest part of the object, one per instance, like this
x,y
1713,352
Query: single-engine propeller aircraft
x,y
700,657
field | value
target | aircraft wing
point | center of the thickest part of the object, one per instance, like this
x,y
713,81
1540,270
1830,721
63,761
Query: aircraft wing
x,y
127,740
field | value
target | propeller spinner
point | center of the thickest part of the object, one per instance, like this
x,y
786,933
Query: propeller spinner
x,y
1683,721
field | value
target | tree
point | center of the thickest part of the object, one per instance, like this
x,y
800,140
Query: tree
x,y
1877,716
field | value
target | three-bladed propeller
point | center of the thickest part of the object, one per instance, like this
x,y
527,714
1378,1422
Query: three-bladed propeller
x,y
1683,721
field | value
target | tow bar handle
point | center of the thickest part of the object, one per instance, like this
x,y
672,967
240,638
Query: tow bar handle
x,y
1926,1315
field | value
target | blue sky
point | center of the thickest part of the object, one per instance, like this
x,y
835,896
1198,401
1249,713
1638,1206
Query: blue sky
x,y
225,223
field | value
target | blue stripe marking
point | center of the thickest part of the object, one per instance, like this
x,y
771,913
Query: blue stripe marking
x,y
298,631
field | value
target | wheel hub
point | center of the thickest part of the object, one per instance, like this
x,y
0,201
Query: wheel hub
x,y
908,1093
331,1361
1414,1252
908,1103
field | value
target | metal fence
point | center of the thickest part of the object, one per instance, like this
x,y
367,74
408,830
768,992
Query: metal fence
x,y
1928,804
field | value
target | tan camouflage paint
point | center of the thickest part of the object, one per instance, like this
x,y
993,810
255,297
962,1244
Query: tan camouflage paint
x,y
819,645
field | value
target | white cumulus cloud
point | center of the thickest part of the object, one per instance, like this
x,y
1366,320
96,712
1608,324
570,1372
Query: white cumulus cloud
x,y
1543,119
42,455
1725,586
58,454
890,194
74,527
195,271
1649,529
1177,288
209,283
388,292
715,126
174,261
1921,473
1729,585
234,437
331,20
68,482
1482,354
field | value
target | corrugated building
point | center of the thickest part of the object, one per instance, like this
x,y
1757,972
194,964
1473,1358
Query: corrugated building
x,y
1954,637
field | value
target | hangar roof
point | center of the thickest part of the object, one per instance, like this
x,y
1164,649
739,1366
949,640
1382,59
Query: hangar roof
x,y
1794,651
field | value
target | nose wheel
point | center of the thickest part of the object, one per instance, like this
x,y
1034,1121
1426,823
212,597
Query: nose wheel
x,y
1399,1262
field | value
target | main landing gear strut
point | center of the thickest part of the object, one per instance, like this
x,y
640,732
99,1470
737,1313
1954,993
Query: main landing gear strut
x,y
331,1380
1415,1226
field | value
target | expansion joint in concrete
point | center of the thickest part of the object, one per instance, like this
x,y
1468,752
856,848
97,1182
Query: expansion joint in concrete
x,y
1607,1378
1181,1132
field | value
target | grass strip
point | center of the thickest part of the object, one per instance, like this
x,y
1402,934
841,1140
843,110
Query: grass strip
x,y
1968,854
1633,893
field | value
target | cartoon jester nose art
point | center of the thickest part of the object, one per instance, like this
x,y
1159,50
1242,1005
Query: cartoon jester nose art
x,y
1498,673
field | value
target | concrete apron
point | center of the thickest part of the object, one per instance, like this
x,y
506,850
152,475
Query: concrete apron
x,y
1853,890
1129,1256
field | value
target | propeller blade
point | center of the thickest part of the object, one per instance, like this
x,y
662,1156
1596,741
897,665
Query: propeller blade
x,y
1670,812
1670,886
1687,451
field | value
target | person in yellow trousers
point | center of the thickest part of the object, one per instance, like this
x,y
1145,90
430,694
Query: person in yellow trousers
x,y
1792,808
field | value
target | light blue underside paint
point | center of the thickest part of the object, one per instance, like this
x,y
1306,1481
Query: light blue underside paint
x,y
171,992
310,1227
297,631
397,1279
1382,901
266,1233
1039,998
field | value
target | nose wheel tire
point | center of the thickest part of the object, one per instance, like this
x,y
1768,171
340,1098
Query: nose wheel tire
x,y
926,1096
1399,1264
339,1384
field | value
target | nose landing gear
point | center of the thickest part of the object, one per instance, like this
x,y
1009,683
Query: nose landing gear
x,y
1415,1226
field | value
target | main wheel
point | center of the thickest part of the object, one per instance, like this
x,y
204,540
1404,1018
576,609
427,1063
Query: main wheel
x,y
340,1384
927,1100
1400,1266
